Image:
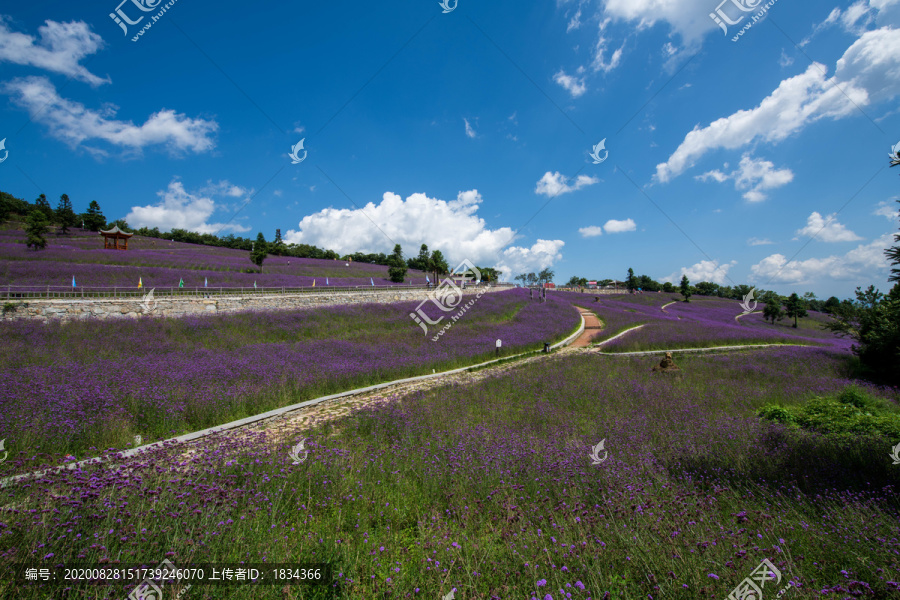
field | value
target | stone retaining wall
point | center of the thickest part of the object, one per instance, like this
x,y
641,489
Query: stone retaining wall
x,y
106,308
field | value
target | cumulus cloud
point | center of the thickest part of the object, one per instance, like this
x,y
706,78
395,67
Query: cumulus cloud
x,y
827,230
453,227
705,270
887,209
60,49
517,260
868,72
181,209
854,265
554,184
73,124
614,226
574,85
754,176
688,18
591,231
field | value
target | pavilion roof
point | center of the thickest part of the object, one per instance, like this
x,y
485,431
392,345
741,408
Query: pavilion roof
x,y
116,232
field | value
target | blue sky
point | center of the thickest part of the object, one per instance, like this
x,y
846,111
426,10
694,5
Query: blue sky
x,y
757,159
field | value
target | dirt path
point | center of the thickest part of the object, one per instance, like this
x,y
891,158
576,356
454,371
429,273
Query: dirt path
x,y
592,327
663,307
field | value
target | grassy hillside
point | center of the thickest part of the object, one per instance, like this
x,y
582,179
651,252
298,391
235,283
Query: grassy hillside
x,y
162,263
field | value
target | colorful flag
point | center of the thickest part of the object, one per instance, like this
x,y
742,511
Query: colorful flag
x,y
326,281
427,280
180,283
140,282
205,282
314,283
254,285
73,281
370,279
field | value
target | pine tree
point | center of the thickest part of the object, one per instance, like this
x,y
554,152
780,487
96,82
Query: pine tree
x,y
397,266
260,251
36,226
795,308
93,218
686,288
65,216
44,206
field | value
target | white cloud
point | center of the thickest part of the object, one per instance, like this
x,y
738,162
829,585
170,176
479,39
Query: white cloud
x,y
573,85
759,242
469,131
575,22
754,175
554,184
591,231
181,209
61,48
688,18
854,265
73,124
827,230
516,260
614,226
785,60
868,72
599,61
887,209
705,270
452,227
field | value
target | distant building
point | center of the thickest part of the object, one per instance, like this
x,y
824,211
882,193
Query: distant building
x,y
549,286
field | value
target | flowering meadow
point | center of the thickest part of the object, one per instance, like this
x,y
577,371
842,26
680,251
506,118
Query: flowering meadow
x,y
163,263
489,489
67,387
703,322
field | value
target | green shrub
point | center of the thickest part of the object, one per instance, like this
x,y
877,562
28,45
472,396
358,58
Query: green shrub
x,y
850,412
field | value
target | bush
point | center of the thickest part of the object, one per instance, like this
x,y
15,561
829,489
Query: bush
x,y
851,412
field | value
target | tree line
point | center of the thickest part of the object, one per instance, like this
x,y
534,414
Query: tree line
x,y
39,217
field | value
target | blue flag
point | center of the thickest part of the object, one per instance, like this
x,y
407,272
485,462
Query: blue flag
x,y
370,279
254,285
326,281
427,280
73,281
205,282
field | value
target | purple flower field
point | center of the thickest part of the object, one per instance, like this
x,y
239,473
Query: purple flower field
x,y
489,489
65,388
162,263
702,322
